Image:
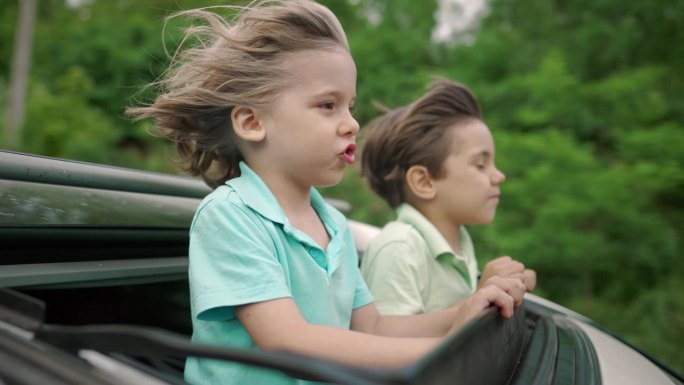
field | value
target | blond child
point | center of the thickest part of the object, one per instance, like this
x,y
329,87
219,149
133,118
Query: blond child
x,y
261,109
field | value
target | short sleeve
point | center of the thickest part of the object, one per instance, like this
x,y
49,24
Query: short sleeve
x,y
395,276
233,261
362,295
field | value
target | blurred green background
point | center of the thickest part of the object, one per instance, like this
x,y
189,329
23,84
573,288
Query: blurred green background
x,y
584,98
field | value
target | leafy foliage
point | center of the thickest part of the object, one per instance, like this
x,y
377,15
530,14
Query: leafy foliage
x,y
584,100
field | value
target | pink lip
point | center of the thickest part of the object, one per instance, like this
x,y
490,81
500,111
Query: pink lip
x,y
348,155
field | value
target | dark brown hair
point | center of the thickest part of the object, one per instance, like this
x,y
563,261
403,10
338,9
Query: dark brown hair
x,y
416,134
243,61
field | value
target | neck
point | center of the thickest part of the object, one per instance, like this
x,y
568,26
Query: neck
x,y
449,230
295,200
291,196
296,204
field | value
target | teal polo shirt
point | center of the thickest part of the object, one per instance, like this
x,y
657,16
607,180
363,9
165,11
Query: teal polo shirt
x,y
244,250
411,269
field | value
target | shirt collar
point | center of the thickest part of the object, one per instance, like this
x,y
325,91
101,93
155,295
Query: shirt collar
x,y
438,245
256,195
434,239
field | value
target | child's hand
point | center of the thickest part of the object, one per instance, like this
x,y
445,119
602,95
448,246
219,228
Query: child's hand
x,y
483,298
509,268
529,278
514,287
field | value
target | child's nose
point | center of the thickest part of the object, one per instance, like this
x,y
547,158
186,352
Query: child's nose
x,y
350,125
498,177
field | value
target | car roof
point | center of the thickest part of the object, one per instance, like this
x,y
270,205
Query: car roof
x,y
72,231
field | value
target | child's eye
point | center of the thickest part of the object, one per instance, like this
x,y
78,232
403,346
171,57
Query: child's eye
x,y
351,108
327,106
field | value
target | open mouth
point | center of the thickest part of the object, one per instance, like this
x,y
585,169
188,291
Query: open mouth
x,y
348,155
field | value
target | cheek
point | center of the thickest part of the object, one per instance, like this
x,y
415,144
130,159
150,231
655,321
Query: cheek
x,y
471,179
476,187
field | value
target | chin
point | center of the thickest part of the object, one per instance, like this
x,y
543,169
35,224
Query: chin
x,y
329,182
487,219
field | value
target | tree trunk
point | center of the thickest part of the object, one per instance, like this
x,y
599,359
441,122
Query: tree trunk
x,y
21,63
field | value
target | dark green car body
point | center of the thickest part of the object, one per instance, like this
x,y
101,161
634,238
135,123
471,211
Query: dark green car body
x,y
93,290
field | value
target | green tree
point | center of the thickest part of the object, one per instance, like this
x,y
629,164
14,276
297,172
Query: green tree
x,y
583,98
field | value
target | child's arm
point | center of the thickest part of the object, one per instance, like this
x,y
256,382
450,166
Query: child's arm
x,y
510,268
439,323
278,325
374,340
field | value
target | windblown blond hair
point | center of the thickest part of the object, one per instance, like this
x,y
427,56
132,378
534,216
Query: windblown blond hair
x,y
240,60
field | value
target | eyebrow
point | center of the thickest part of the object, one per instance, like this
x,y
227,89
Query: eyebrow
x,y
483,153
335,93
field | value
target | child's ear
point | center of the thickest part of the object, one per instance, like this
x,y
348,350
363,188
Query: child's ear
x,y
246,124
419,182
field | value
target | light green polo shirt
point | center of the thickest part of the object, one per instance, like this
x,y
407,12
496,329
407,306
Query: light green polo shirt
x,y
410,268
244,250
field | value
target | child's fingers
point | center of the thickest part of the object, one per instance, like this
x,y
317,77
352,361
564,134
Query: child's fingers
x,y
529,278
496,296
481,300
497,263
504,266
502,259
513,286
